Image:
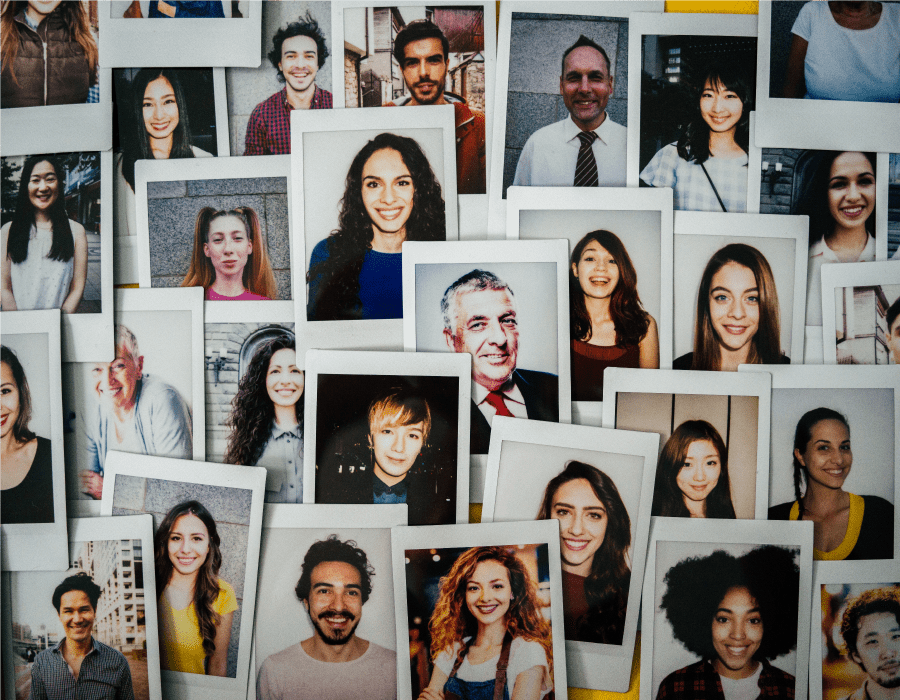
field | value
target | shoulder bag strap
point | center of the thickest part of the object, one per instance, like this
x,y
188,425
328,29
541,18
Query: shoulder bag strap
x,y
502,665
713,185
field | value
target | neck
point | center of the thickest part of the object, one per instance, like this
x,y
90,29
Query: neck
x,y
231,286
301,99
822,501
745,672
723,143
492,634
879,692
388,242
387,478
597,309
78,648
162,148
181,581
352,649
125,411
591,125
286,417
583,569
842,237
41,216
35,16
730,359
697,509
8,444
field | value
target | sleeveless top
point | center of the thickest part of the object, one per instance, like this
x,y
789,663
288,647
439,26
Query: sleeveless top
x,y
589,362
32,500
39,282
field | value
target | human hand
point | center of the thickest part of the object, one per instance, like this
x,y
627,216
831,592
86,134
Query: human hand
x,y
92,484
431,694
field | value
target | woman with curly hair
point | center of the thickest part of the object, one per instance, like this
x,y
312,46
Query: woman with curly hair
x,y
487,626
594,542
707,166
267,420
692,474
736,614
391,196
608,323
196,607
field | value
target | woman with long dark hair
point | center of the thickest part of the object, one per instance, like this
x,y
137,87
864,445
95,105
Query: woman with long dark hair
x,y
738,318
267,419
488,617
609,326
594,542
391,196
692,474
707,166
196,607
44,253
845,526
48,54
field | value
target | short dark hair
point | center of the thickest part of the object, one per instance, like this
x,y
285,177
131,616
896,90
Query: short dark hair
x,y
876,600
304,26
79,582
892,313
584,41
414,31
333,549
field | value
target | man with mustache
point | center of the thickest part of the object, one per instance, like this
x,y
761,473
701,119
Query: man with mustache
x,y
333,664
79,661
871,630
423,51
298,52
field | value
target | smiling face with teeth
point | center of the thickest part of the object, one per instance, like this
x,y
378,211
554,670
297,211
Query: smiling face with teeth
x,y
387,194
851,190
299,62
335,601
160,109
284,380
827,458
737,632
117,381
489,592
597,271
720,107
188,544
585,86
734,300
43,186
76,615
582,524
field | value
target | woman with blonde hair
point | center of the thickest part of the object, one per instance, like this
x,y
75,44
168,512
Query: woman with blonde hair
x,y
487,628
230,260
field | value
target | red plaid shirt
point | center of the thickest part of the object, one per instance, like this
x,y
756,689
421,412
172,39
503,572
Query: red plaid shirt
x,y
700,681
269,127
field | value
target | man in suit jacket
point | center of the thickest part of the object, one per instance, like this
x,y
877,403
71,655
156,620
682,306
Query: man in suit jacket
x,y
480,318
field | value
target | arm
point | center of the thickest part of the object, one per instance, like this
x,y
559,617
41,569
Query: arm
x,y
125,690
37,692
218,662
435,689
649,347
255,135
794,80
76,289
170,423
7,300
523,167
528,684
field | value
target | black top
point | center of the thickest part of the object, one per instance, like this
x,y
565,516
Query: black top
x,y
686,360
32,500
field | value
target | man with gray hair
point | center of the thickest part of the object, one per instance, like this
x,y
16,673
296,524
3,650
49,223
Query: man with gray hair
x,y
480,318
136,413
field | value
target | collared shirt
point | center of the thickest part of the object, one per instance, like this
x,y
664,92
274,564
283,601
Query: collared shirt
x,y
104,675
550,155
382,493
283,459
820,254
269,126
512,397
700,681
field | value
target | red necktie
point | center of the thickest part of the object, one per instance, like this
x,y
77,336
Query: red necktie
x,y
495,399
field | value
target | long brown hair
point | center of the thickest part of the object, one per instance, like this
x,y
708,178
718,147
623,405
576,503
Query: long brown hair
x,y
78,29
20,430
258,277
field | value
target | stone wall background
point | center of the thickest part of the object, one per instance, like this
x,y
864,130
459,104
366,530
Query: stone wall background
x,y
229,507
173,207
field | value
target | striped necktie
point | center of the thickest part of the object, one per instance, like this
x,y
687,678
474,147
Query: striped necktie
x,y
586,166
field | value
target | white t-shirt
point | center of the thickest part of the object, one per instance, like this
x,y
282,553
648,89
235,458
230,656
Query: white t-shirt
x,y
522,656
743,688
820,254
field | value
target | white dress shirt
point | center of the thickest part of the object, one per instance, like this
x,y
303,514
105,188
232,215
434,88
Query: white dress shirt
x,y
512,398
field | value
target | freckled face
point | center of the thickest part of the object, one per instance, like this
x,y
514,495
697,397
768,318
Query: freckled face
x,y
737,631
228,246
700,471
489,592
43,186
188,544
284,380
851,189
582,524
160,109
734,305
9,400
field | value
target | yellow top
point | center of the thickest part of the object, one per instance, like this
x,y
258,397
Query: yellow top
x,y
854,525
180,643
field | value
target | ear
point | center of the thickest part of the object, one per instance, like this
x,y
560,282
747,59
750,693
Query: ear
x,y
305,602
371,444
575,270
448,338
562,82
856,658
140,364
206,249
799,457
612,83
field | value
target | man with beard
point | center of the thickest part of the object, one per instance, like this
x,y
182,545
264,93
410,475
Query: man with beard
x,y
333,664
871,630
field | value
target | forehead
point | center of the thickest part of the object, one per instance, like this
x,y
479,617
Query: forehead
x,y
577,490
489,571
391,421
74,599
384,159
874,623
226,224
285,356
830,429
6,375
124,354
190,523
734,275
850,162
736,597
299,44
423,47
594,247
335,572
160,86
585,59
485,302
43,167
701,448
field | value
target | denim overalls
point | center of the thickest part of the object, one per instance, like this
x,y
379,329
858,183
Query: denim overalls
x,y
458,689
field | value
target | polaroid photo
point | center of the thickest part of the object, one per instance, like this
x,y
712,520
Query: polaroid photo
x,y
681,54
75,190
293,72
154,382
185,34
860,306
401,148
310,555
741,291
726,604
539,105
233,219
376,435
211,517
33,507
601,499
199,130
55,97
718,423
455,583
802,47
856,626
624,219
839,411
440,53
891,223
104,598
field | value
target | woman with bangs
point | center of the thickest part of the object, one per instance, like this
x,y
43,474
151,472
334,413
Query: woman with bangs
x,y
738,318
609,326
692,474
707,166
487,628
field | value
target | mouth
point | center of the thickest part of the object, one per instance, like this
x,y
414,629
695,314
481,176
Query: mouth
x,y
337,620
835,472
487,609
890,666
599,281
286,391
575,545
390,214
186,561
699,488
426,86
3,420
853,212
496,358
159,126
737,651
719,120
735,330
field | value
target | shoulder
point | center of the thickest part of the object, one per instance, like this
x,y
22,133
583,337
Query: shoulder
x,y
528,649
547,133
321,251
227,600
534,377
379,654
155,390
200,153
78,231
615,127
112,655
782,511
875,505
679,684
776,683
286,658
47,657
776,673
684,362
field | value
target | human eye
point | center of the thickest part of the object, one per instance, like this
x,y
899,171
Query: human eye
x,y
720,298
597,515
510,321
846,447
560,512
371,184
753,298
471,588
755,620
174,538
5,390
147,104
405,182
721,619
477,326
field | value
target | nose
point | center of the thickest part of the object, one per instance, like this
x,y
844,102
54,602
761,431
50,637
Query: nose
x,y
423,68
496,336
737,631
699,474
585,84
853,191
389,195
737,309
577,526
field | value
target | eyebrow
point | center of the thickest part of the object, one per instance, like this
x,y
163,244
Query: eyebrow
x,y
725,289
847,177
168,94
729,610
331,585
569,505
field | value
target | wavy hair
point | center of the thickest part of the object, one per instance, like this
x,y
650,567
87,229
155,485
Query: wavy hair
x,y
78,29
765,346
20,430
252,411
258,276
667,497
63,246
606,586
693,144
452,621
337,276
206,584
802,436
628,315
816,207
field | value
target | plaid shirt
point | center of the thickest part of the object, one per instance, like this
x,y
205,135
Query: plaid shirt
x,y
104,675
269,127
700,681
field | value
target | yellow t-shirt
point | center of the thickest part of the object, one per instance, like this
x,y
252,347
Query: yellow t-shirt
x,y
180,643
